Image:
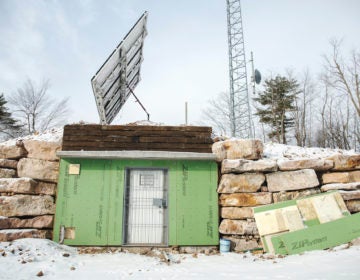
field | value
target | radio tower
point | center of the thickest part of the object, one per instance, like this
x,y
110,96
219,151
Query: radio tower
x,y
240,111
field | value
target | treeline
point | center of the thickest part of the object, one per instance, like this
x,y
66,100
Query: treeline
x,y
302,109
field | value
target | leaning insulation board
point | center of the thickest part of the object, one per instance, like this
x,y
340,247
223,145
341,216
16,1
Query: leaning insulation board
x,y
315,222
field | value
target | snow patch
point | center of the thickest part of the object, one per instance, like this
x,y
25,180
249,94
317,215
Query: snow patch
x,y
25,258
145,122
281,151
51,135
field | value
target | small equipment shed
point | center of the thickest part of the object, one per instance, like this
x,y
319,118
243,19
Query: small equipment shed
x,y
137,186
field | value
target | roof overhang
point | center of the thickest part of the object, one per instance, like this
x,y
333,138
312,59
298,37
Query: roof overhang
x,y
151,155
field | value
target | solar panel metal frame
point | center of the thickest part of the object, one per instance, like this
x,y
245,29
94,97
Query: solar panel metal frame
x,y
121,71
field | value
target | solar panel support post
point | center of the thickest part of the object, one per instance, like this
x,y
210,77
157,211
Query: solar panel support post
x,y
138,101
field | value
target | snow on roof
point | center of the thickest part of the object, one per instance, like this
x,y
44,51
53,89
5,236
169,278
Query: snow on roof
x,y
145,122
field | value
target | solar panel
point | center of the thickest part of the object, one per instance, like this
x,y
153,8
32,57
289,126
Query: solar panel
x,y
120,73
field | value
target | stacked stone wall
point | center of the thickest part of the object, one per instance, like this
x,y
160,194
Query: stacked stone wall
x,y
29,171
249,180
28,181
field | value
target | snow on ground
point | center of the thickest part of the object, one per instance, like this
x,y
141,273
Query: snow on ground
x,y
281,151
51,135
271,150
25,258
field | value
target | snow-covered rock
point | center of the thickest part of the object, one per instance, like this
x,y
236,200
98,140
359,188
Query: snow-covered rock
x,y
238,149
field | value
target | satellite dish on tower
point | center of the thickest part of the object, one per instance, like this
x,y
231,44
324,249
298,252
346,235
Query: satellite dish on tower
x,y
257,77
118,76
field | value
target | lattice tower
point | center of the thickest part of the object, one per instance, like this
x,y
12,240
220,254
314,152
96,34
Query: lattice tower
x,y
240,111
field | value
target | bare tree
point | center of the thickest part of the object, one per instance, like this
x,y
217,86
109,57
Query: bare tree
x,y
321,135
335,117
218,115
344,74
33,106
304,109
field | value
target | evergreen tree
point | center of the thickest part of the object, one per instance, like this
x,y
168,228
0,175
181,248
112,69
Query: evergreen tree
x,y
276,101
8,125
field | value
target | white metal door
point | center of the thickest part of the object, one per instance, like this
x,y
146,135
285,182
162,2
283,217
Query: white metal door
x,y
145,207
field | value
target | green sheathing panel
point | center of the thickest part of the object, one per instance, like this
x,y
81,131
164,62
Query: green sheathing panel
x,y
318,237
87,202
194,206
274,206
92,202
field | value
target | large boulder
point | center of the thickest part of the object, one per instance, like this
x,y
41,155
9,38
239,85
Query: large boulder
x,y
316,164
13,234
18,185
340,186
38,169
7,173
350,195
245,199
12,150
244,165
26,205
243,244
238,149
37,222
292,180
341,177
236,213
45,188
346,162
8,163
240,227
42,149
353,205
248,182
283,196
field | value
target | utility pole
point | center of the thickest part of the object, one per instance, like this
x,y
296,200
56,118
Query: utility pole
x,y
240,111
252,73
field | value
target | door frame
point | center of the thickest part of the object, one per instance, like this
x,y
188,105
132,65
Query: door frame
x,y
126,208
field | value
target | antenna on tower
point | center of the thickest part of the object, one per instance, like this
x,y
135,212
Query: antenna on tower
x,y
255,74
240,111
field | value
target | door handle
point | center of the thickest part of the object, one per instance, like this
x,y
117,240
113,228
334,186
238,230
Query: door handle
x,y
159,202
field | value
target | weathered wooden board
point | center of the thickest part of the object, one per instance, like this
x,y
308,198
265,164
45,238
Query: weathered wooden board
x,y
137,128
117,137
137,139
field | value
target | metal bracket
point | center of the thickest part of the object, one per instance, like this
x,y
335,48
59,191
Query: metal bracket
x,y
138,101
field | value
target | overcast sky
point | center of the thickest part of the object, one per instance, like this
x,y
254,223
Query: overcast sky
x,y
185,52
